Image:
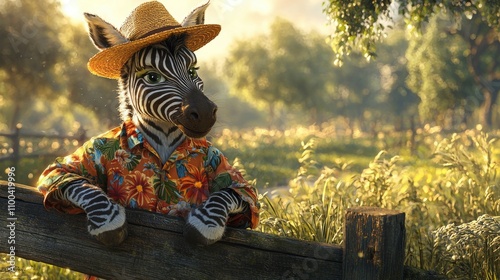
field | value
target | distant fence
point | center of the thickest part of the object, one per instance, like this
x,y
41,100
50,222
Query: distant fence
x,y
16,138
373,246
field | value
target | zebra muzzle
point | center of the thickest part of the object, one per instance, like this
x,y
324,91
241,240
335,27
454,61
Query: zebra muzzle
x,y
198,115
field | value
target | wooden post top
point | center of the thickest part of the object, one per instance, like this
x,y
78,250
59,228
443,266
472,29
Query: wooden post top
x,y
373,211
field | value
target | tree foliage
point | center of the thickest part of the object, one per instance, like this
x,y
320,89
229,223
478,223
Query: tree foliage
x,y
31,49
395,95
282,68
43,73
96,93
483,60
361,23
440,76
233,112
289,69
460,78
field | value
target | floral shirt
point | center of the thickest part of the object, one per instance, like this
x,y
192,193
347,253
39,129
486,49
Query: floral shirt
x,y
130,171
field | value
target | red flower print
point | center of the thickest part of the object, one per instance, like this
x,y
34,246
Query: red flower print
x,y
116,189
140,190
194,186
118,193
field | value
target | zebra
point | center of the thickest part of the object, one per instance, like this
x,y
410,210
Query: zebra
x,y
161,94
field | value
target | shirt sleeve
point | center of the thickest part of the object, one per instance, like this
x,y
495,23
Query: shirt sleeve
x,y
76,166
224,175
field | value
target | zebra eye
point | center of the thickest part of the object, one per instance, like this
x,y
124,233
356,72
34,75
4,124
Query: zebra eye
x,y
193,72
154,78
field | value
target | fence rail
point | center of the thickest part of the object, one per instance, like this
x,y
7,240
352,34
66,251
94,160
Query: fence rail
x,y
155,249
15,137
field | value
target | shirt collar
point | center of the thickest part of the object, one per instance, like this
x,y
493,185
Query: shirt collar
x,y
131,136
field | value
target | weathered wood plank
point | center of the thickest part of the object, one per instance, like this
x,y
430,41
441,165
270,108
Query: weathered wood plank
x,y
374,244
156,248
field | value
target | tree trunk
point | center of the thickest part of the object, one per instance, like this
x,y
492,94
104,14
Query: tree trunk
x,y
490,98
313,111
16,115
272,115
413,131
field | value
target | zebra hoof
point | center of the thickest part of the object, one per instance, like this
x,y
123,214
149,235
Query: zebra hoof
x,y
113,231
194,236
113,237
197,231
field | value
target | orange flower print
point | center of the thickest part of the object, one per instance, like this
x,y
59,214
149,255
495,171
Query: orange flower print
x,y
194,186
122,156
141,191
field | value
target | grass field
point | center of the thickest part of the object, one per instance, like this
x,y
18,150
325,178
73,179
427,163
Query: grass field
x,y
446,183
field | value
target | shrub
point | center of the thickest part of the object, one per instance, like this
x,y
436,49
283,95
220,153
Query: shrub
x,y
470,250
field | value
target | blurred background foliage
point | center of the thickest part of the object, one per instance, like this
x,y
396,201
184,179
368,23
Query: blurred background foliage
x,y
281,77
310,133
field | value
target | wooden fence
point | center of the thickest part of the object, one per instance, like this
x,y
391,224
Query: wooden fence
x,y
373,247
15,137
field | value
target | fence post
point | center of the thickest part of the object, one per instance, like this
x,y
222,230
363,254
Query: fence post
x,y
374,242
16,138
82,135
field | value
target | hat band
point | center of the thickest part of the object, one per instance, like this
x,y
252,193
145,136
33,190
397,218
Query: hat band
x,y
161,29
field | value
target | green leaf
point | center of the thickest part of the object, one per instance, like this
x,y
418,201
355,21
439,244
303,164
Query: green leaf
x,y
134,160
166,191
221,181
107,148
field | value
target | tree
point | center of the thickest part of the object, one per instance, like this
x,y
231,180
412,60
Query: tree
x,y
395,96
233,111
288,69
482,59
249,74
96,93
282,68
356,87
361,23
45,57
439,75
31,50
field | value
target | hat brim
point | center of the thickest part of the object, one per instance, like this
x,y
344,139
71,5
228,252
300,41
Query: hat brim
x,y
109,62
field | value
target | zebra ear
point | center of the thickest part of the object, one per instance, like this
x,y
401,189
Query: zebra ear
x,y
103,34
197,16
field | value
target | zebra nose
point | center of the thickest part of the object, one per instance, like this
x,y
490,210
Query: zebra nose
x,y
193,114
214,113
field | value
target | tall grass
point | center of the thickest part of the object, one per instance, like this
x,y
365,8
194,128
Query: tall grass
x,y
26,269
459,186
448,189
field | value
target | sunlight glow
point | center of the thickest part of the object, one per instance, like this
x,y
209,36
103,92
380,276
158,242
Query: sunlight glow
x,y
70,9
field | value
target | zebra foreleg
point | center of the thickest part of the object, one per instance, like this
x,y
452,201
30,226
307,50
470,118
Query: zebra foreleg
x,y
106,219
205,225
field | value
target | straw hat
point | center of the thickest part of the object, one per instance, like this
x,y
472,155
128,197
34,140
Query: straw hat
x,y
148,24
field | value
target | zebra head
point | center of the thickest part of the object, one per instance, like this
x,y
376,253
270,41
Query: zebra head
x,y
159,85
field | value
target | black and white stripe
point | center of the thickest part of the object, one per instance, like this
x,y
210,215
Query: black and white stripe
x,y
206,224
106,219
166,112
153,108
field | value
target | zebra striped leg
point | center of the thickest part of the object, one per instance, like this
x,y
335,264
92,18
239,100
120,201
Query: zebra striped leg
x,y
205,225
106,219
